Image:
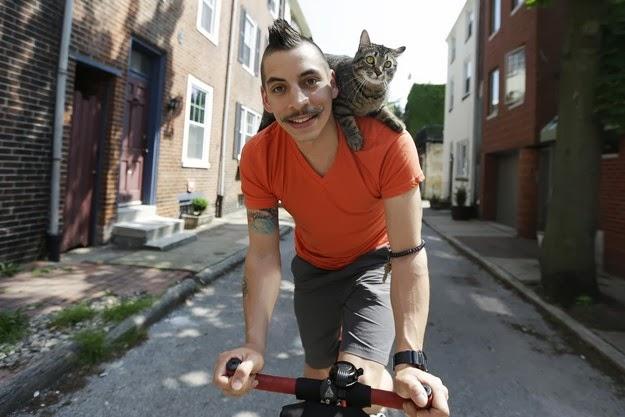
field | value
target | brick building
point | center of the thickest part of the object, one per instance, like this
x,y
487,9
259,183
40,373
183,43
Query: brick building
x,y
519,72
155,108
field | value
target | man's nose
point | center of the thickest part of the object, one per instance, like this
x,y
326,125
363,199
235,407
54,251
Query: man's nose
x,y
299,98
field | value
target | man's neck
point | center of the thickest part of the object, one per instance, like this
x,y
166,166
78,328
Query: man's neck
x,y
321,151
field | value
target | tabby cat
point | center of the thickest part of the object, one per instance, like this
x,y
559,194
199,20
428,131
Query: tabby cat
x,y
363,85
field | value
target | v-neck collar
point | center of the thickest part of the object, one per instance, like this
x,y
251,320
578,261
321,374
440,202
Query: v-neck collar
x,y
306,165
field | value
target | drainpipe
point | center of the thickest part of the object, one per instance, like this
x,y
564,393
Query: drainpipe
x,y
224,127
54,240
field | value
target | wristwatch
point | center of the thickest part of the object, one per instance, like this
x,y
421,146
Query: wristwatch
x,y
414,358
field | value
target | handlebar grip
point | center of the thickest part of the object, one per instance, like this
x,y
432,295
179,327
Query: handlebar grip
x,y
232,365
392,400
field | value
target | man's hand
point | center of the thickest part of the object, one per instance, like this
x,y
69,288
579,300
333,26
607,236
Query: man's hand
x,y
408,384
243,380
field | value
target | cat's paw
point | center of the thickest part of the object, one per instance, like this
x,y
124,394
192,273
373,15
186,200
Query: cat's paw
x,y
396,125
354,140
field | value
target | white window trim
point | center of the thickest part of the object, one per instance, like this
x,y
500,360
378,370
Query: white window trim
x,y
470,17
275,13
513,104
467,74
452,50
516,9
208,113
451,94
250,69
492,35
495,110
242,124
213,37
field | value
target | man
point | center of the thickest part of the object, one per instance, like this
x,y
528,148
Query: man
x,y
348,207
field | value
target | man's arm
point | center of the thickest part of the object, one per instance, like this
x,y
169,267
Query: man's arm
x,y
261,282
410,287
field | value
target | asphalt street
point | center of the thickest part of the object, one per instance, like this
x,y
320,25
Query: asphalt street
x,y
496,353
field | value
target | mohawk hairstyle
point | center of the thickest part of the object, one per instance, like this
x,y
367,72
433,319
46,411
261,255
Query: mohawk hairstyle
x,y
283,37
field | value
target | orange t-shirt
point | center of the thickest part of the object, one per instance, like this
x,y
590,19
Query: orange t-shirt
x,y
339,216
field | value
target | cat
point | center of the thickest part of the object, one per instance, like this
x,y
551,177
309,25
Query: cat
x,y
363,84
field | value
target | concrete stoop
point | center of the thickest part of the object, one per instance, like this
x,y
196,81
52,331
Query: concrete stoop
x,y
139,227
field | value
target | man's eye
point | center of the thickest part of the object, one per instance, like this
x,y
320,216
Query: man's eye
x,y
370,60
277,89
388,64
311,82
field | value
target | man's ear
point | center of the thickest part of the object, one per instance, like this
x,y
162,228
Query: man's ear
x,y
266,105
333,85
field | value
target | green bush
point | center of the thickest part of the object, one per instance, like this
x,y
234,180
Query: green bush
x,y
72,315
199,204
13,325
92,346
127,308
8,269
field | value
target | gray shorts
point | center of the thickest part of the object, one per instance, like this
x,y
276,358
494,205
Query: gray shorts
x,y
347,310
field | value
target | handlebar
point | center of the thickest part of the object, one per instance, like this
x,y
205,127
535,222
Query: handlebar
x,y
358,395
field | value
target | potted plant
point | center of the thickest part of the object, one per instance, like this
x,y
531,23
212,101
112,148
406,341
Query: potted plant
x,y
197,217
460,211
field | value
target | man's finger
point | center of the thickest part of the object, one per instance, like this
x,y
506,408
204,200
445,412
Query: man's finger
x,y
418,394
241,377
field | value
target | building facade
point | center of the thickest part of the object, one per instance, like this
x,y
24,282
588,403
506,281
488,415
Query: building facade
x,y
460,145
160,98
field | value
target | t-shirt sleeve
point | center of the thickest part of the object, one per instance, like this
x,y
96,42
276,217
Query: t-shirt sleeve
x,y
401,170
254,179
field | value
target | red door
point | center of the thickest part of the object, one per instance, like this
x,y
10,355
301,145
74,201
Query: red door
x,y
134,140
82,163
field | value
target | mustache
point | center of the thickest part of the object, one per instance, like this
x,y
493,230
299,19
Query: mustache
x,y
308,111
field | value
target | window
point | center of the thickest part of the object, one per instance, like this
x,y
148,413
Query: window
x,y
274,7
462,163
493,88
516,4
470,20
515,77
249,44
208,19
452,49
451,94
247,122
495,16
197,124
467,78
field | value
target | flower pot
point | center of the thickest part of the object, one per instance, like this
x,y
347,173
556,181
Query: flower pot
x,y
191,221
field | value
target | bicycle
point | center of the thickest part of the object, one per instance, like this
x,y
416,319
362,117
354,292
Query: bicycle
x,y
339,395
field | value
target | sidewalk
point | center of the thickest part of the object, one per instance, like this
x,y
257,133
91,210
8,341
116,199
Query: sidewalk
x,y
515,261
85,273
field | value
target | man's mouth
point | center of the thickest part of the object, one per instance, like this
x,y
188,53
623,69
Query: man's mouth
x,y
303,120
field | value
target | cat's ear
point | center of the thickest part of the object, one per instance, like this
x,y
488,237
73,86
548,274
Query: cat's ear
x,y
364,39
399,50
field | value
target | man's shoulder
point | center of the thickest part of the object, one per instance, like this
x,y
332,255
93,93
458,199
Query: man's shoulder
x,y
377,135
266,137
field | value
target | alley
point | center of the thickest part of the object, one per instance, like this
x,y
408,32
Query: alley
x,y
496,354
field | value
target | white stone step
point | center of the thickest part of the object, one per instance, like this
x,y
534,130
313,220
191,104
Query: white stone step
x,y
170,242
135,234
136,212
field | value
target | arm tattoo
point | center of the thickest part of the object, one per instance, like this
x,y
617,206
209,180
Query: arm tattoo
x,y
264,220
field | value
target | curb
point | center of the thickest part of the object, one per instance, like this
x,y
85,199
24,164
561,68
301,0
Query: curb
x,y
582,332
63,359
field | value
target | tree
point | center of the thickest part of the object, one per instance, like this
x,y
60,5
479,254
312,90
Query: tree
x,y
425,106
588,81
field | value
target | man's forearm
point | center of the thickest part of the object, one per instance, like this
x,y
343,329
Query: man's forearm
x,y
410,298
260,288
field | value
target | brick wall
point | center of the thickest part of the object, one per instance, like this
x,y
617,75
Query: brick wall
x,y
612,211
528,193
29,40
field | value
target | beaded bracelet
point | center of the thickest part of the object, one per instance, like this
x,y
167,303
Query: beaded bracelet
x,y
391,254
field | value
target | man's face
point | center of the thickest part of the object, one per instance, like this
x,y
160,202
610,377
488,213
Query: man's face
x,y
298,90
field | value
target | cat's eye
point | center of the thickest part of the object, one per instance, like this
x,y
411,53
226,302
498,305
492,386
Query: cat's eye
x,y
370,60
388,64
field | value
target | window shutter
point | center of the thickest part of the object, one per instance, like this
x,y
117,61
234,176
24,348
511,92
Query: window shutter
x,y
257,56
241,34
238,140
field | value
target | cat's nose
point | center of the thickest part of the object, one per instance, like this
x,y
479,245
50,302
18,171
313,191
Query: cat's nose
x,y
377,71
